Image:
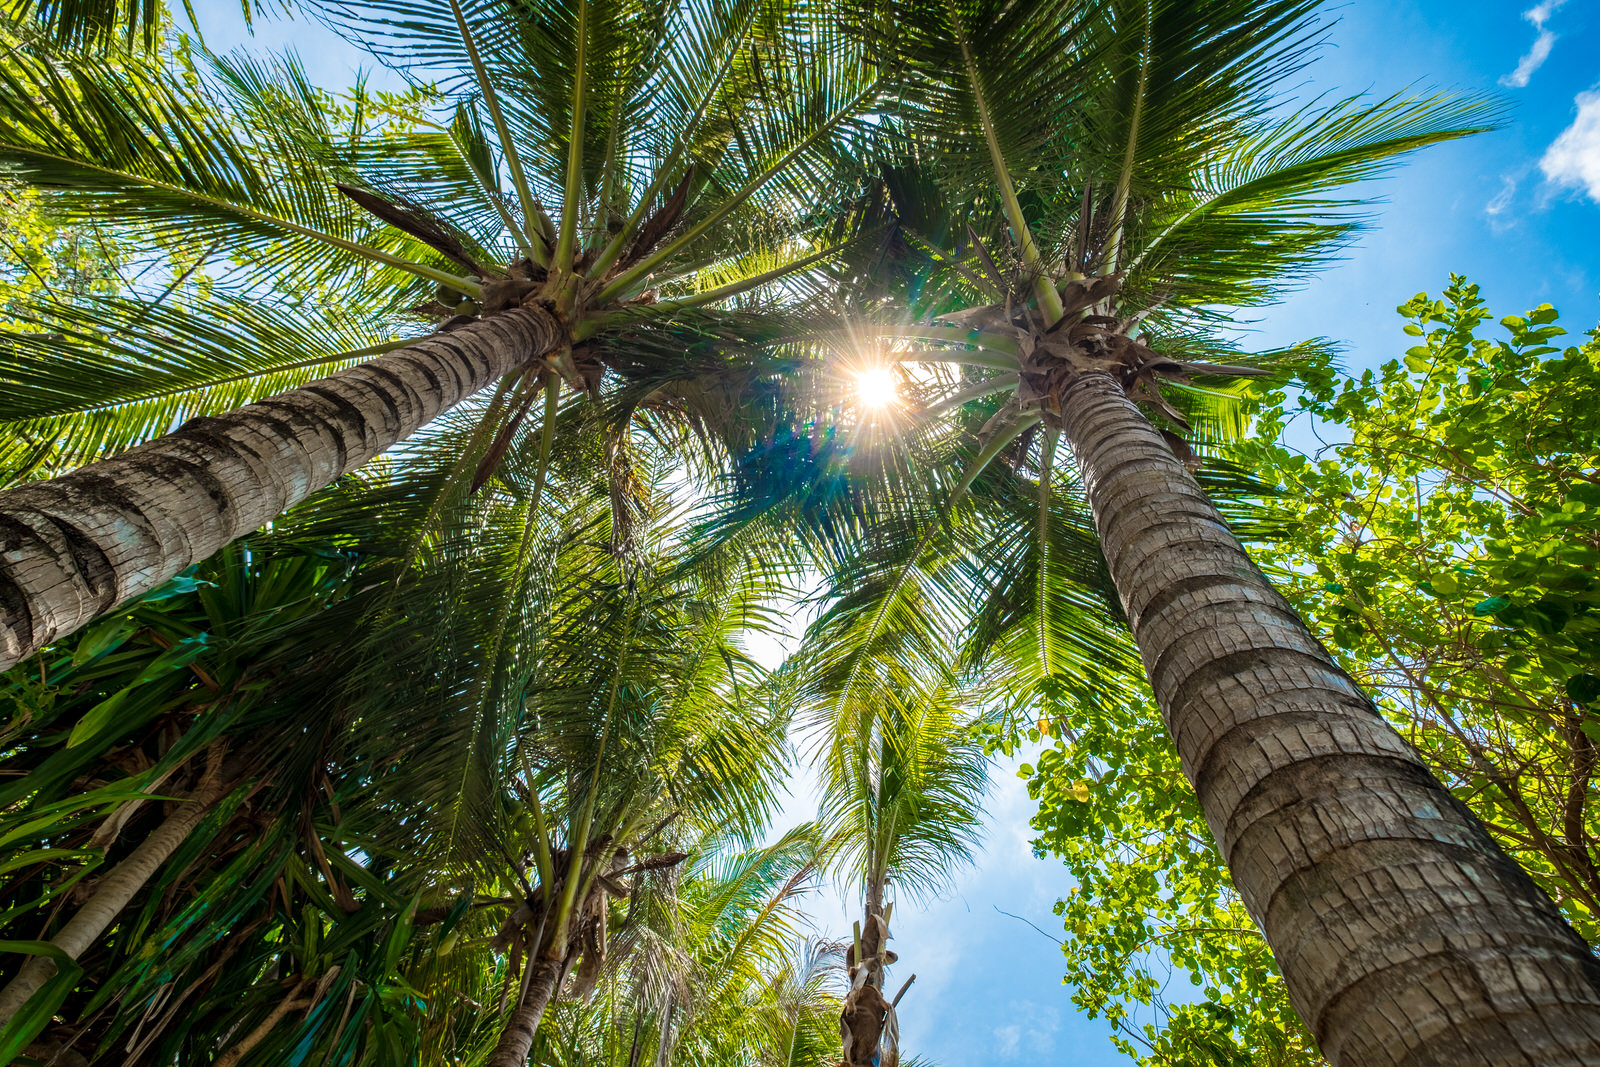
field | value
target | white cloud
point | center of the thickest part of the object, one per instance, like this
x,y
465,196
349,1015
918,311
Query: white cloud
x,y
1034,1035
1530,62
1538,16
1498,204
1573,159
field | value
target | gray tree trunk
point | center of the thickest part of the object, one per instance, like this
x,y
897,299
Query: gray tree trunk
x,y
110,897
75,546
1405,934
516,1040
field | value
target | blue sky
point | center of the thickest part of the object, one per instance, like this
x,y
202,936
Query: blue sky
x,y
1516,210
1503,208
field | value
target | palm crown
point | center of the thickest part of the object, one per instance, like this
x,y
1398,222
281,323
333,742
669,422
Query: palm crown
x,y
603,205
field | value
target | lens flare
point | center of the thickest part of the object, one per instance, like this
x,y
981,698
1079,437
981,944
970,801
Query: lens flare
x,y
876,387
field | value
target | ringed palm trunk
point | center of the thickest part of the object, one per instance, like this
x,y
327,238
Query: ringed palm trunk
x,y
516,1040
1405,934
115,890
562,940
75,546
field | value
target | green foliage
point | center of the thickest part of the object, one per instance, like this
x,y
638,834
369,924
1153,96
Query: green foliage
x,y
111,24
718,972
351,804
1448,545
515,668
469,690
335,223
223,669
1156,941
902,785
44,257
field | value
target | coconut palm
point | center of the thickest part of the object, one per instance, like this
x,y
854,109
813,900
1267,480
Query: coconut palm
x,y
1140,172
662,159
598,716
786,1016
903,772
717,972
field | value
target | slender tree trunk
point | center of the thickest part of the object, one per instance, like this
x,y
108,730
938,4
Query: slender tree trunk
x,y
292,1001
75,546
516,1040
1405,934
110,897
864,1014
664,1038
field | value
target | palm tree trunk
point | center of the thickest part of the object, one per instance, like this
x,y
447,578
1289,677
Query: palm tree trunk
x,y
664,1039
75,546
864,1014
1405,934
516,1040
110,897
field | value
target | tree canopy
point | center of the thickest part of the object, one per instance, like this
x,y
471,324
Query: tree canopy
x,y
465,758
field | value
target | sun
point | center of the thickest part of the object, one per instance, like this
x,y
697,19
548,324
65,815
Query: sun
x,y
876,387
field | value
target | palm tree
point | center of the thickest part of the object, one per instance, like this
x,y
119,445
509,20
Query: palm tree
x,y
658,731
516,719
903,773
717,971
555,715
678,145
1157,182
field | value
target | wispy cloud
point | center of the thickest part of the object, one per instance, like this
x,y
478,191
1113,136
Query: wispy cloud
x,y
1573,158
1538,15
1502,200
1497,212
1033,1034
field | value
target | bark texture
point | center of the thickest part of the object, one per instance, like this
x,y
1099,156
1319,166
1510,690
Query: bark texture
x,y
866,1015
110,897
75,546
516,1040
1405,934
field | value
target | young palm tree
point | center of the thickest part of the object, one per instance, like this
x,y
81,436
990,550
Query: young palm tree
x,y
903,773
642,721
1156,183
580,709
678,146
716,971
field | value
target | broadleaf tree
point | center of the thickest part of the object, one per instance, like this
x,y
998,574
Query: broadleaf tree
x,y
1433,520
1446,542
